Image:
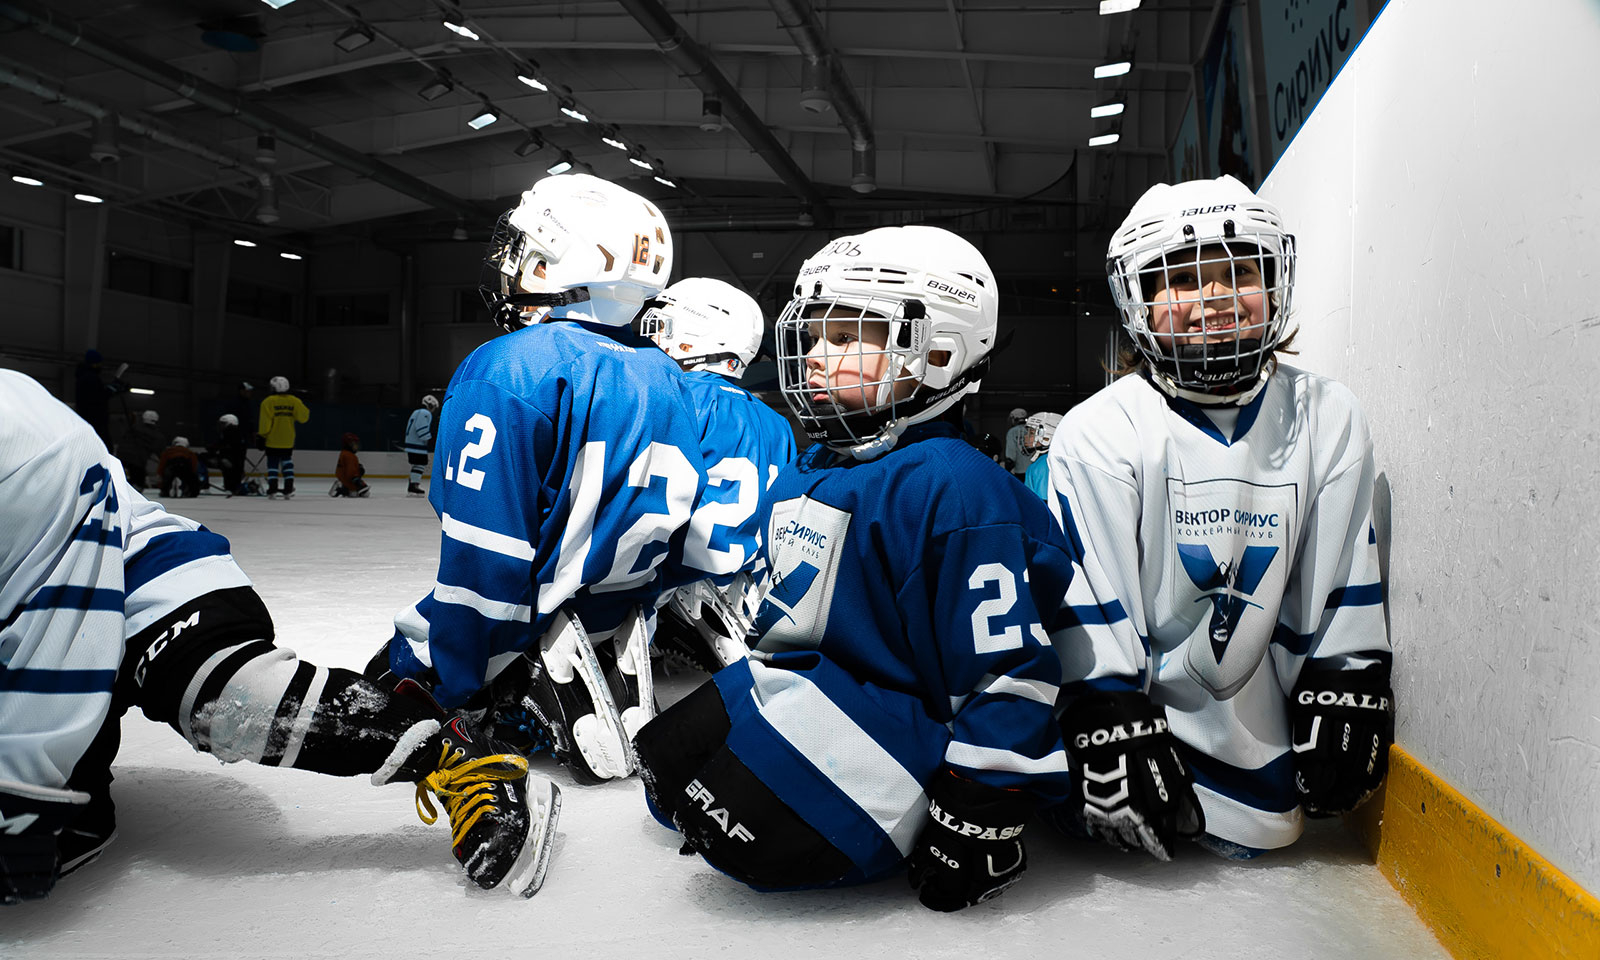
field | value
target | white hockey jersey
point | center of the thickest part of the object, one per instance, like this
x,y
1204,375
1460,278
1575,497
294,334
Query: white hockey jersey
x,y
85,564
1220,548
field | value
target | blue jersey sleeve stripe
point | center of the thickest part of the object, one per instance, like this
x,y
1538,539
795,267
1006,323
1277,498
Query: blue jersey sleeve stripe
x,y
1360,595
463,532
34,680
1095,614
75,598
95,531
1295,643
1104,685
168,552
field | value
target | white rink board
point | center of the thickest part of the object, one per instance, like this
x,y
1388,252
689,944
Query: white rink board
x,y
241,861
1447,207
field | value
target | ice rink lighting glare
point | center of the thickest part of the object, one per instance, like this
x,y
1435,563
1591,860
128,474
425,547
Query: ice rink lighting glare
x,y
290,256
482,120
611,142
461,29
1117,6
532,82
1104,139
244,243
1112,70
142,391
26,180
88,198
1106,110
573,113
666,183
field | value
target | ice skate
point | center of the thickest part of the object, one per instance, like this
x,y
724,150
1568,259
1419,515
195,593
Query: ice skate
x,y
559,699
502,820
415,490
628,674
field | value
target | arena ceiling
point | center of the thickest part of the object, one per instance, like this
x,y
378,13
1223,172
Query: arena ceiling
x,y
316,114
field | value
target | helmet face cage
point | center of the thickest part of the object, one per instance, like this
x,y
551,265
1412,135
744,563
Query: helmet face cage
x,y
1229,351
851,414
659,322
502,266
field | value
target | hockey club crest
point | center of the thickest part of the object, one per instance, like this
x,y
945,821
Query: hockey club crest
x,y
806,540
1234,539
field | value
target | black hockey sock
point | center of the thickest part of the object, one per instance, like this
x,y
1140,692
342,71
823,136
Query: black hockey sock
x,y
211,671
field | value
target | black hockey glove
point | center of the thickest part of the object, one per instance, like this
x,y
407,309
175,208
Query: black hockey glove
x,y
1135,792
34,817
971,850
1342,724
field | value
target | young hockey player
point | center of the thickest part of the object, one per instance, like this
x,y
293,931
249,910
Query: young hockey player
x,y
1035,442
1219,503
279,413
419,442
713,330
571,465
179,470
898,707
348,474
230,453
107,601
1017,458
139,446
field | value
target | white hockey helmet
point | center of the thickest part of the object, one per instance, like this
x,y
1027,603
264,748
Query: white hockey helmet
x,y
150,416
228,419
180,441
1039,429
1018,414
705,324
430,403
595,240
279,384
1163,235
938,295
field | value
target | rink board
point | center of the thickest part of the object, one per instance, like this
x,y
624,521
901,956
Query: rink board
x,y
1485,893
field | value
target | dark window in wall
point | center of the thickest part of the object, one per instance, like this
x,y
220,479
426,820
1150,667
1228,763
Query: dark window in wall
x,y
264,303
10,247
147,278
470,307
353,309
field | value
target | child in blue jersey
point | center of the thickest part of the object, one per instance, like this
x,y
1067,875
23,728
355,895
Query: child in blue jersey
x,y
713,330
108,602
568,467
1035,441
1219,504
898,707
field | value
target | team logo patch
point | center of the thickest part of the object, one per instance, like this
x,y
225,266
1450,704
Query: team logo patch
x,y
805,543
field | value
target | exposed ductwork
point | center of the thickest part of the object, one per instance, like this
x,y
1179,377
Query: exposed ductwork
x,y
822,73
124,57
695,64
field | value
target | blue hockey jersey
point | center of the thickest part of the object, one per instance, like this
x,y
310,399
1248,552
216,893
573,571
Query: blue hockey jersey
x,y
745,444
932,580
419,432
568,466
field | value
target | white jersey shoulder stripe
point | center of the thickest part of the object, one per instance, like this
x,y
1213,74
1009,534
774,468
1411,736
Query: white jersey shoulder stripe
x,y
463,532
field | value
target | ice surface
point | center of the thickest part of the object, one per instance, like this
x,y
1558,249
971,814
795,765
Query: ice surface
x,y
242,861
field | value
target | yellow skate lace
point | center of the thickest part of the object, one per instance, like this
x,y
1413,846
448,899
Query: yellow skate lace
x,y
467,790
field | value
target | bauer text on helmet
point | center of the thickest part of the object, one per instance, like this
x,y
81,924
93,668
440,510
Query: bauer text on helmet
x,y
886,329
1202,274
705,324
576,244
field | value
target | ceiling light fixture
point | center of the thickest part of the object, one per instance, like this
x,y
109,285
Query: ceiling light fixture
x,y
290,256
1112,69
532,81
354,39
88,198
142,391
1105,139
26,181
244,243
530,146
1117,6
277,4
438,87
571,109
640,162
562,165
1106,110
483,120
614,142
665,182
461,29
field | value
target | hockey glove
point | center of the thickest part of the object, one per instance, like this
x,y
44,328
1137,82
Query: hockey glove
x,y
1343,724
34,817
971,850
1136,794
